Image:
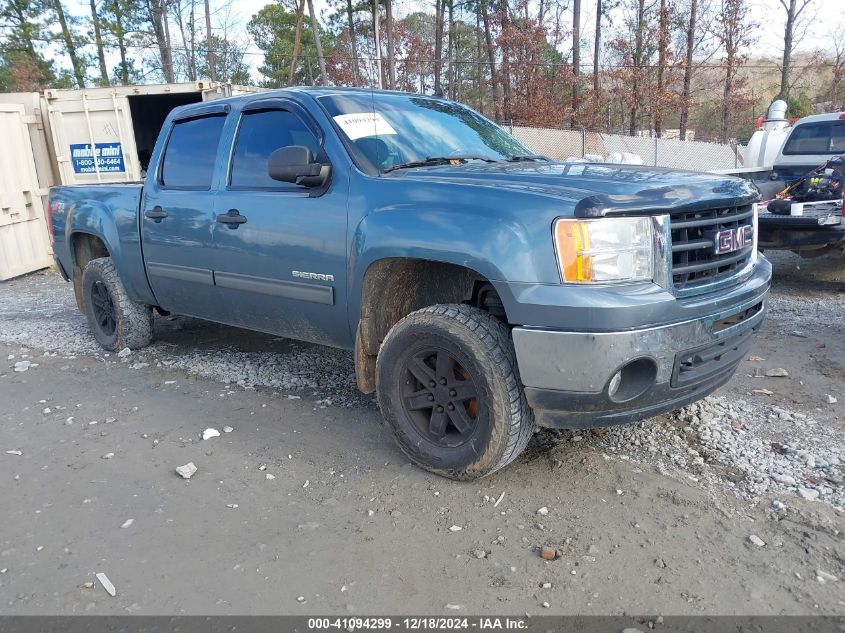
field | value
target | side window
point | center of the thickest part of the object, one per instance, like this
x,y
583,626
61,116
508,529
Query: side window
x,y
191,152
837,139
260,134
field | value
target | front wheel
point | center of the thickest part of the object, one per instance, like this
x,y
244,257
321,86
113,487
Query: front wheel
x,y
115,320
448,387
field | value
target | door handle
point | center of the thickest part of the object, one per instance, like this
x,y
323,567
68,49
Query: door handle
x,y
156,213
232,218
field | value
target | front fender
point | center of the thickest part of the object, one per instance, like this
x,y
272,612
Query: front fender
x,y
495,248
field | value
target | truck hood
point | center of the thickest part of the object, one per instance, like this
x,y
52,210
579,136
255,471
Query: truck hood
x,y
599,189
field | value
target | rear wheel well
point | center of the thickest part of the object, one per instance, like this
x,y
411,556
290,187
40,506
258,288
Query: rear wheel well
x,y
395,287
84,248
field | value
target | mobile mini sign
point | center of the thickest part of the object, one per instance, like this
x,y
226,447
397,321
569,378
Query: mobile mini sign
x,y
109,158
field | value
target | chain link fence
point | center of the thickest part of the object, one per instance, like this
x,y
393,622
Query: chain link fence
x,y
563,144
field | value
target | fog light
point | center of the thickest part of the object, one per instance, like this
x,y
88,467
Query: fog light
x,y
632,380
613,387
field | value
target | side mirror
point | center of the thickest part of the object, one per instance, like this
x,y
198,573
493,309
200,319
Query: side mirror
x,y
296,164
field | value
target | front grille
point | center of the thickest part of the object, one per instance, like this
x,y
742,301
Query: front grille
x,y
694,259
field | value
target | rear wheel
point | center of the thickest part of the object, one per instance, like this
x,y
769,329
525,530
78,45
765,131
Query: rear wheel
x,y
448,387
115,320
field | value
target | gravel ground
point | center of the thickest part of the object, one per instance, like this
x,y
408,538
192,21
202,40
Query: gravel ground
x,y
741,438
675,498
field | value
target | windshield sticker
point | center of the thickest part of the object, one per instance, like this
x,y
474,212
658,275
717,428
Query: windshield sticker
x,y
360,124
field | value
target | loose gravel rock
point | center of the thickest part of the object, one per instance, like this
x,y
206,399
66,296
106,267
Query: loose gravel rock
x,y
748,444
704,440
39,311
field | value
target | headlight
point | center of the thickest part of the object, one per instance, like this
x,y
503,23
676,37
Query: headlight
x,y
604,249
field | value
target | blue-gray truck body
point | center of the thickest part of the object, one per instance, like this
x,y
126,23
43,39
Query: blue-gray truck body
x,y
329,265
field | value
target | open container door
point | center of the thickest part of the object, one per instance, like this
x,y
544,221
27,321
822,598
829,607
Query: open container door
x,y
24,243
118,125
92,136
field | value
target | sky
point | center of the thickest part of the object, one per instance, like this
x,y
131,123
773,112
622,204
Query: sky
x,y
769,14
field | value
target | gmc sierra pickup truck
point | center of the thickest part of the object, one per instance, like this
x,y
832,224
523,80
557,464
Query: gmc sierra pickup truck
x,y
484,289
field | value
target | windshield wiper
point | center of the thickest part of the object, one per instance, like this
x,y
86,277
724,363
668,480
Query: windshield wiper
x,y
438,160
527,157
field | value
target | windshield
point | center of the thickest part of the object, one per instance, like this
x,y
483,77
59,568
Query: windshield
x,y
390,130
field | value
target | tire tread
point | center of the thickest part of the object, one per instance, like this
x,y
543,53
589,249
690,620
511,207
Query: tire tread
x,y
495,338
134,320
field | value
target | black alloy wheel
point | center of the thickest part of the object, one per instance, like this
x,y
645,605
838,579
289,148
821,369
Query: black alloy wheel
x,y
440,397
105,315
449,390
115,320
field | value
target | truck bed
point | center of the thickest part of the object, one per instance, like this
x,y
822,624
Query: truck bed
x,y
106,211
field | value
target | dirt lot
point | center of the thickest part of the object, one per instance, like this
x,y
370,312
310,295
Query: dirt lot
x,y
652,518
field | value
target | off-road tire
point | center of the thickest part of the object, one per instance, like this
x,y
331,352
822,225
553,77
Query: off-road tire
x,y
483,352
133,321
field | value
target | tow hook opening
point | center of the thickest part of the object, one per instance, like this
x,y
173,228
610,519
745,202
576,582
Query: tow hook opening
x,y
632,380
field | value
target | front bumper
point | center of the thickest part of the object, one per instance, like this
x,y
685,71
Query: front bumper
x,y
567,375
795,233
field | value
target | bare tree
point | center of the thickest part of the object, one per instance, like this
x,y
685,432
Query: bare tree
x,y
637,58
794,9
297,40
70,45
212,67
576,59
734,30
121,19
662,54
507,99
98,41
597,51
315,31
187,31
697,47
391,52
478,67
157,16
688,71
439,18
837,80
377,42
450,50
353,45
450,42
495,97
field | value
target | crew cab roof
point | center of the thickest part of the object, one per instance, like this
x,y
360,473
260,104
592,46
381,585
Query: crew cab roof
x,y
293,91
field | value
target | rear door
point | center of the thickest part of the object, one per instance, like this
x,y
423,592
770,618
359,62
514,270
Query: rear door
x,y
178,215
282,270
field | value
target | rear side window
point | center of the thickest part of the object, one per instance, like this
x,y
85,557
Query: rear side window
x,y
191,152
816,138
260,134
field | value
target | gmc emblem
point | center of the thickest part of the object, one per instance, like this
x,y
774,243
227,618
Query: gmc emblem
x,y
731,240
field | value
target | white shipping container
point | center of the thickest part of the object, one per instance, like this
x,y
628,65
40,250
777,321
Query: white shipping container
x,y
108,134
77,137
24,242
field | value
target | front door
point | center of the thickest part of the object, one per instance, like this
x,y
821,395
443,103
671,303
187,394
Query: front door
x,y
178,218
281,269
